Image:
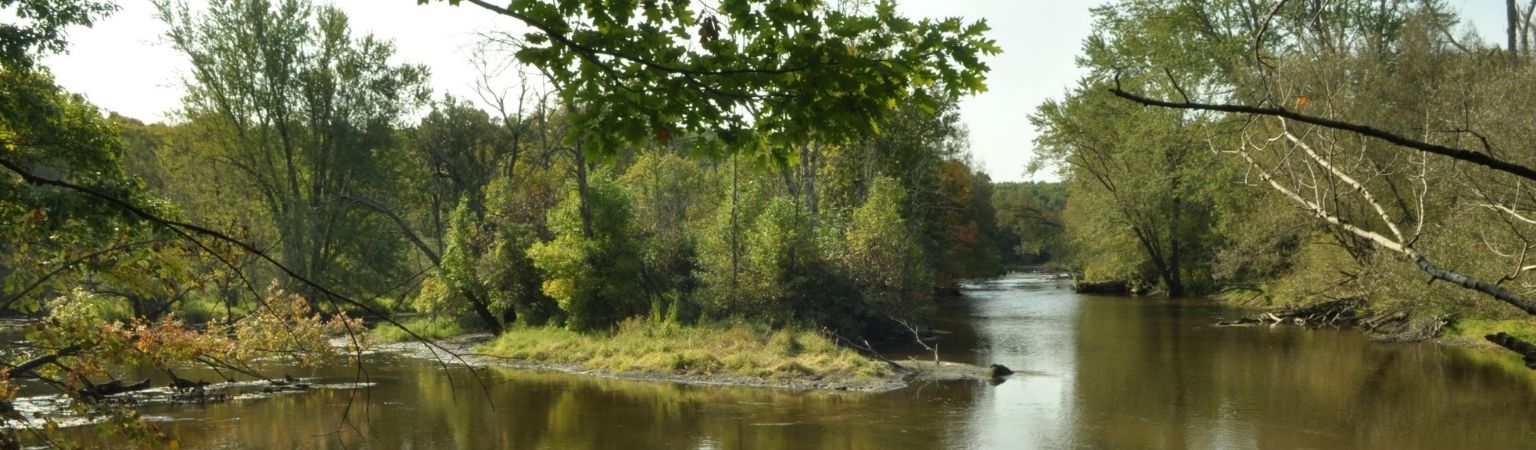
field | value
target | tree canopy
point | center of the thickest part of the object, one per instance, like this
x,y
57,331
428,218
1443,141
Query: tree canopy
x,y
760,77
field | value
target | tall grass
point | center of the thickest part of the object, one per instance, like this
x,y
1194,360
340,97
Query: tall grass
x,y
739,350
429,327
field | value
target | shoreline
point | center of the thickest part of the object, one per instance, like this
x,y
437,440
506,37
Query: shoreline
x,y
467,355
1445,334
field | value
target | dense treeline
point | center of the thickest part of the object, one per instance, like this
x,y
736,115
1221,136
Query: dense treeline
x,y
1295,152
509,224
1029,216
513,218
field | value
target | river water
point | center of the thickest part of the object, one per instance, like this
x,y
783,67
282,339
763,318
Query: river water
x,y
1096,372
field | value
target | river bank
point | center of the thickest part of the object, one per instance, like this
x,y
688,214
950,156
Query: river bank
x,y
1403,325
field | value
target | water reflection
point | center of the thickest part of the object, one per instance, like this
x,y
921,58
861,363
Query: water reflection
x,y
416,405
1024,325
1095,372
1153,374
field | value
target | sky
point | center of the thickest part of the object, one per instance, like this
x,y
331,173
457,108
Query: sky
x,y
124,63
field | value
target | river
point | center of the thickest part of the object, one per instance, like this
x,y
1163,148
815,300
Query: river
x,y
1095,372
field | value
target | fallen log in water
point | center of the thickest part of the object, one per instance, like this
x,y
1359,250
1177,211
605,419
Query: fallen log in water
x,y
1526,350
114,387
1333,314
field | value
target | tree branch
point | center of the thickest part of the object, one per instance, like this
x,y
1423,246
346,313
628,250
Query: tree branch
x,y
1435,271
399,222
185,230
1470,156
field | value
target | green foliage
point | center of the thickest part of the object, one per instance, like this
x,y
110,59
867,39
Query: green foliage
x,y
1030,217
1334,213
672,198
593,263
948,203
881,256
430,327
302,114
53,238
513,281
39,25
485,270
457,272
82,307
643,71
1139,185
435,297
754,256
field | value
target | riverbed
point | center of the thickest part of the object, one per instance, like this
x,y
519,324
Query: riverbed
x,y
1094,372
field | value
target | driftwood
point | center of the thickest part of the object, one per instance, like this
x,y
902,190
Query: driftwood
x,y
1333,314
1387,326
1400,326
863,348
180,384
114,387
288,383
1526,350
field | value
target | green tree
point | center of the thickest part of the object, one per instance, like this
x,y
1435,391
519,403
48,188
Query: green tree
x,y
882,257
459,148
75,226
1135,174
673,197
50,236
1029,215
459,269
305,113
592,274
513,281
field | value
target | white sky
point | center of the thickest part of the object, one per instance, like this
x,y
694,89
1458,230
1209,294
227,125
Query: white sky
x,y
123,64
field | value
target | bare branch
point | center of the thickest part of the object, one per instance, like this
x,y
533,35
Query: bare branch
x,y
1435,271
1358,187
1473,157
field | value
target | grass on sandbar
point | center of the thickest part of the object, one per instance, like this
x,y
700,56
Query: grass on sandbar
x,y
739,350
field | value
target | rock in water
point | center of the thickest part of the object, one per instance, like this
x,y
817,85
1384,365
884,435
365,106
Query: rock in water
x,y
999,371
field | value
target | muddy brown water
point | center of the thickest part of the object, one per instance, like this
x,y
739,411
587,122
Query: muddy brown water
x,y
1099,372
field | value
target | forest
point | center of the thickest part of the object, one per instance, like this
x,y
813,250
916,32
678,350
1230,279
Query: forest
x,y
783,176
310,183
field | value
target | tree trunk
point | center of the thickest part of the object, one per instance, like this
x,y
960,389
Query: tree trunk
x,y
582,192
483,310
1167,271
810,161
1173,278
735,251
1514,17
